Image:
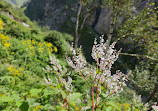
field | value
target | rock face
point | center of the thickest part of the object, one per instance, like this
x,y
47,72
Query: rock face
x,y
103,23
8,14
53,13
50,13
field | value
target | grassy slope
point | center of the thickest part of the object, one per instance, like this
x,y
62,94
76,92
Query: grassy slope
x,y
23,54
21,62
17,3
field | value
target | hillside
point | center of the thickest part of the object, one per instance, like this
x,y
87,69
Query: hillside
x,y
41,71
24,51
17,3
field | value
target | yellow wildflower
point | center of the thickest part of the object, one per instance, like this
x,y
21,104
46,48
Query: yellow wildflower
x,y
120,105
37,107
49,44
40,44
73,104
77,109
1,24
4,41
23,42
23,97
41,50
7,45
58,100
29,41
15,72
33,42
21,69
55,49
2,95
126,105
3,37
12,52
50,50
36,96
10,68
31,47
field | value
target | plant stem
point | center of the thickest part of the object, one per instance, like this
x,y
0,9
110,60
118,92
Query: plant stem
x,y
96,99
67,104
60,79
104,99
84,78
93,98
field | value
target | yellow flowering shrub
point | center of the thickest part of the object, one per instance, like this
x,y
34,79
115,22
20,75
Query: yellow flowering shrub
x,y
37,108
15,72
4,41
124,106
42,46
3,37
1,24
75,107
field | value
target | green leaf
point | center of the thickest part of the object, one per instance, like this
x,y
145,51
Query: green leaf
x,y
58,86
24,106
63,94
103,95
6,110
8,78
48,107
19,103
6,99
97,71
152,3
113,105
49,92
98,101
16,97
34,92
74,97
108,108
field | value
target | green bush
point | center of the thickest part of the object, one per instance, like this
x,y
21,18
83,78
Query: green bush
x,y
60,40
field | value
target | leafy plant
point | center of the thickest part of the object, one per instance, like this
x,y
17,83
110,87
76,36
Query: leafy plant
x,y
101,82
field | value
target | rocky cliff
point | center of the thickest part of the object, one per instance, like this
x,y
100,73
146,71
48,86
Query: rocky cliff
x,y
51,13
61,15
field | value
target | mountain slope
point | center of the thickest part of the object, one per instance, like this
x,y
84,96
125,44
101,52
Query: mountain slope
x,y
17,3
24,51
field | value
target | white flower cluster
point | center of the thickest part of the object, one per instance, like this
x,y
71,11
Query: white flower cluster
x,y
68,84
49,81
102,73
78,62
60,71
155,106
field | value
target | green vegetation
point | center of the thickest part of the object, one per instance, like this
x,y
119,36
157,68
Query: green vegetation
x,y
23,54
17,13
30,80
17,3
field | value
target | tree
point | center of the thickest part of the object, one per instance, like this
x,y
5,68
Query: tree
x,y
136,31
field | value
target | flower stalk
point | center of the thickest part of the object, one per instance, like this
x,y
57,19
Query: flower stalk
x,y
103,81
